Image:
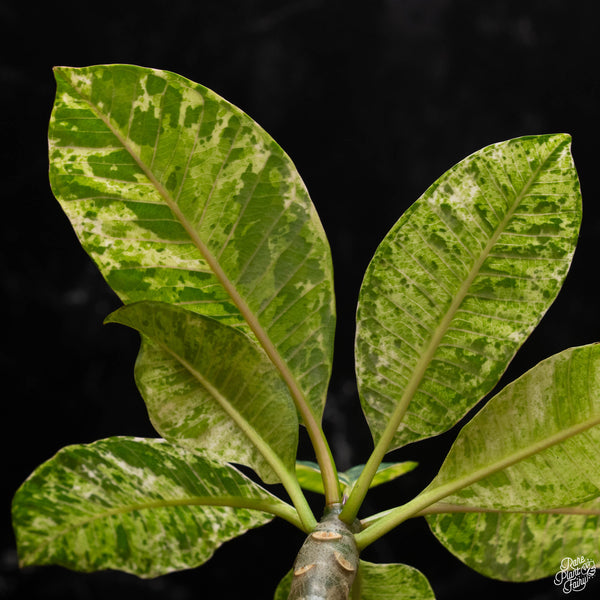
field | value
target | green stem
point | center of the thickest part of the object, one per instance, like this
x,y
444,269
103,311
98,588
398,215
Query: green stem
x,y
292,487
361,487
445,508
421,506
288,479
431,495
278,509
358,493
392,518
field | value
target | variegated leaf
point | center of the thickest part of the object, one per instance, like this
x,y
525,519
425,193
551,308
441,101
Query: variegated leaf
x,y
460,282
518,545
378,582
207,387
180,197
532,447
392,582
137,505
535,444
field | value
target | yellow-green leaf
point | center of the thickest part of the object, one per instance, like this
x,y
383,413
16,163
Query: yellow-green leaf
x,y
180,197
460,282
208,388
137,505
535,444
518,545
309,475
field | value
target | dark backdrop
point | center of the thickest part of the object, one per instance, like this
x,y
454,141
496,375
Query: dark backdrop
x,y
373,100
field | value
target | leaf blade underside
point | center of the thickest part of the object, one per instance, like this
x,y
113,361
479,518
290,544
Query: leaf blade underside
x,y
180,197
460,282
136,505
532,445
208,388
518,545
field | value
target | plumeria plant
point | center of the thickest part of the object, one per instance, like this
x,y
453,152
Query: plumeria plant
x,y
201,224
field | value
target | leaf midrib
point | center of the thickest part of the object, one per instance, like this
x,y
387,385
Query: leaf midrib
x,y
385,441
274,507
263,338
250,432
447,508
441,330
461,482
434,493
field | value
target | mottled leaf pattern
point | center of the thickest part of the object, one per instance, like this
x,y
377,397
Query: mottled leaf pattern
x,y
136,505
393,582
309,475
535,444
519,545
460,282
283,588
180,197
207,387
378,582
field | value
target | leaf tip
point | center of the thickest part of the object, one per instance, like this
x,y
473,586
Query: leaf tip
x,y
565,138
111,318
61,70
120,316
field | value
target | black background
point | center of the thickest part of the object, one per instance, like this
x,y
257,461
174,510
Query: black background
x,y
373,100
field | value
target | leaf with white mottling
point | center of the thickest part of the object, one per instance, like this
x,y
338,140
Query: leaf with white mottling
x,y
378,582
460,281
535,444
518,545
392,582
208,388
180,197
282,591
532,447
137,505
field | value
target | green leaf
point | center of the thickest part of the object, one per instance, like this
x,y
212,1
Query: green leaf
x,y
530,451
180,197
378,582
283,588
518,545
460,282
386,471
392,582
136,505
309,475
534,445
210,389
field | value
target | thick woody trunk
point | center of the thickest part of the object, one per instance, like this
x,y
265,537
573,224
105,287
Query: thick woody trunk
x,y
327,561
